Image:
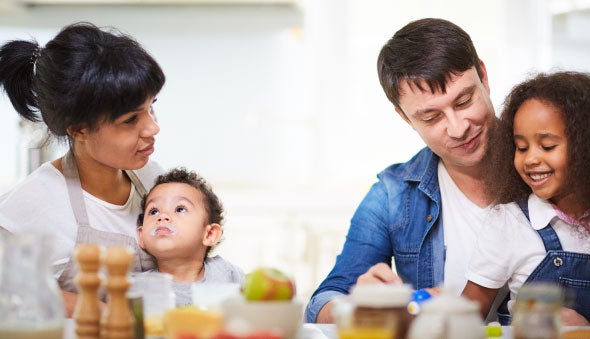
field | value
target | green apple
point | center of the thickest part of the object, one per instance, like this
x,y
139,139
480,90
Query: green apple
x,y
266,283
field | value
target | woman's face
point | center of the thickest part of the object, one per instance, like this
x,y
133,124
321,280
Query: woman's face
x,y
125,143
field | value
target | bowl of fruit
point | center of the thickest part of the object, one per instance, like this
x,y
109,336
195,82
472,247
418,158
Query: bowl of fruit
x,y
266,304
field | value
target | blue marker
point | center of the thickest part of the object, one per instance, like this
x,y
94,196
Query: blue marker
x,y
418,297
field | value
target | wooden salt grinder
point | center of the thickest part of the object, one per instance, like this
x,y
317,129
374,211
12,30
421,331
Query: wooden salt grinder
x,y
117,319
87,310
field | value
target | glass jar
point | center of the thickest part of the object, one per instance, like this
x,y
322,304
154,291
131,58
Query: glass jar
x,y
376,311
152,291
31,305
536,312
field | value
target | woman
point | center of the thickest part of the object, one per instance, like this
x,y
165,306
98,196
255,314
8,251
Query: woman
x,y
94,88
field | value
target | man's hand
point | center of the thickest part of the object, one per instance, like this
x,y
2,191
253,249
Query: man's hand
x,y
379,273
570,317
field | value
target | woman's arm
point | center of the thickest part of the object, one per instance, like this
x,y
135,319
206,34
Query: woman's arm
x,y
70,299
482,295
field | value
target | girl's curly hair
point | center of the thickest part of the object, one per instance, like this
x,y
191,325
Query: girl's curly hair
x,y
569,93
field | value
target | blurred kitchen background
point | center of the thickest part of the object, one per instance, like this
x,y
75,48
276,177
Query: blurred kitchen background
x,y
277,103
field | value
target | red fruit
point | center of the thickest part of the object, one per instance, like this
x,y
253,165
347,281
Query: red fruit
x,y
268,284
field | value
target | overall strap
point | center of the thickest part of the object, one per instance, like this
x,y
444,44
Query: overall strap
x,y
550,238
70,170
524,207
547,233
136,182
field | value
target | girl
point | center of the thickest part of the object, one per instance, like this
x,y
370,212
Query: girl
x,y
94,88
543,235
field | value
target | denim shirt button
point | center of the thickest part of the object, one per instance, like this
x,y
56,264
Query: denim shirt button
x,y
557,261
429,218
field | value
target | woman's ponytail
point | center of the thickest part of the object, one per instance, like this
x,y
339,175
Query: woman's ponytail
x,y
18,60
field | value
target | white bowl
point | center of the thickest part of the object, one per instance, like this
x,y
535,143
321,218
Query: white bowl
x,y
282,317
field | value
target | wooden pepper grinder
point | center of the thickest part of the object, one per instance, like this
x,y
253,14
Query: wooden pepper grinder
x,y
87,310
117,319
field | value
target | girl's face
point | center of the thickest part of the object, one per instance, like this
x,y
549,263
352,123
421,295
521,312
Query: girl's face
x,y
125,143
175,222
541,149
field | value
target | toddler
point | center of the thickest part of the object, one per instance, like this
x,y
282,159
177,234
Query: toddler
x,y
180,224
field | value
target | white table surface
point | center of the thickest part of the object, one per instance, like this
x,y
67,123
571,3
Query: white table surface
x,y
328,331
308,331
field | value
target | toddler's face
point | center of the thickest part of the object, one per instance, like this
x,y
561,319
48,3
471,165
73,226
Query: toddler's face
x,y
541,149
174,222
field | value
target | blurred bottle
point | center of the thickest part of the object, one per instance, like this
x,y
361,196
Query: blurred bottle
x,y
31,305
536,312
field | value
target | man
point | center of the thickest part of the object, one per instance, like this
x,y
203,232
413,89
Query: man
x,y
424,213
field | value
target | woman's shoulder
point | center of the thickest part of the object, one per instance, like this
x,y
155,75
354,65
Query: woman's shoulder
x,y
39,197
46,178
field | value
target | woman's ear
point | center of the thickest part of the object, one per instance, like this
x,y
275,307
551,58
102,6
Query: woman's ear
x,y
212,234
77,132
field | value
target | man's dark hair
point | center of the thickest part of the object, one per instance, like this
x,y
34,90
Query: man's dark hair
x,y
425,51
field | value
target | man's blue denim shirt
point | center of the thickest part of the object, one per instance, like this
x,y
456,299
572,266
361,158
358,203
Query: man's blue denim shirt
x,y
399,218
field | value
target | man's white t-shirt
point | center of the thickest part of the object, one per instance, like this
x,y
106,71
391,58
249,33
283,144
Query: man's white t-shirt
x,y
462,220
41,203
509,247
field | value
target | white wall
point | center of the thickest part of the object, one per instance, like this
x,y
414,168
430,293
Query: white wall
x,y
281,109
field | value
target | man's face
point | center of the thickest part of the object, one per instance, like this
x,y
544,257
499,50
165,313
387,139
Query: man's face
x,y
455,125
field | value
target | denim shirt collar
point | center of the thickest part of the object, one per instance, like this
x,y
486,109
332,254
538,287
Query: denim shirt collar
x,y
425,171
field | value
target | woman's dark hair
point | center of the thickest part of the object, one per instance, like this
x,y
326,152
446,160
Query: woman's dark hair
x,y
212,203
430,50
83,76
569,94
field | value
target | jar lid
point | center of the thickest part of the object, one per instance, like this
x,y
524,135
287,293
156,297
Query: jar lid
x,y
542,292
381,295
446,303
